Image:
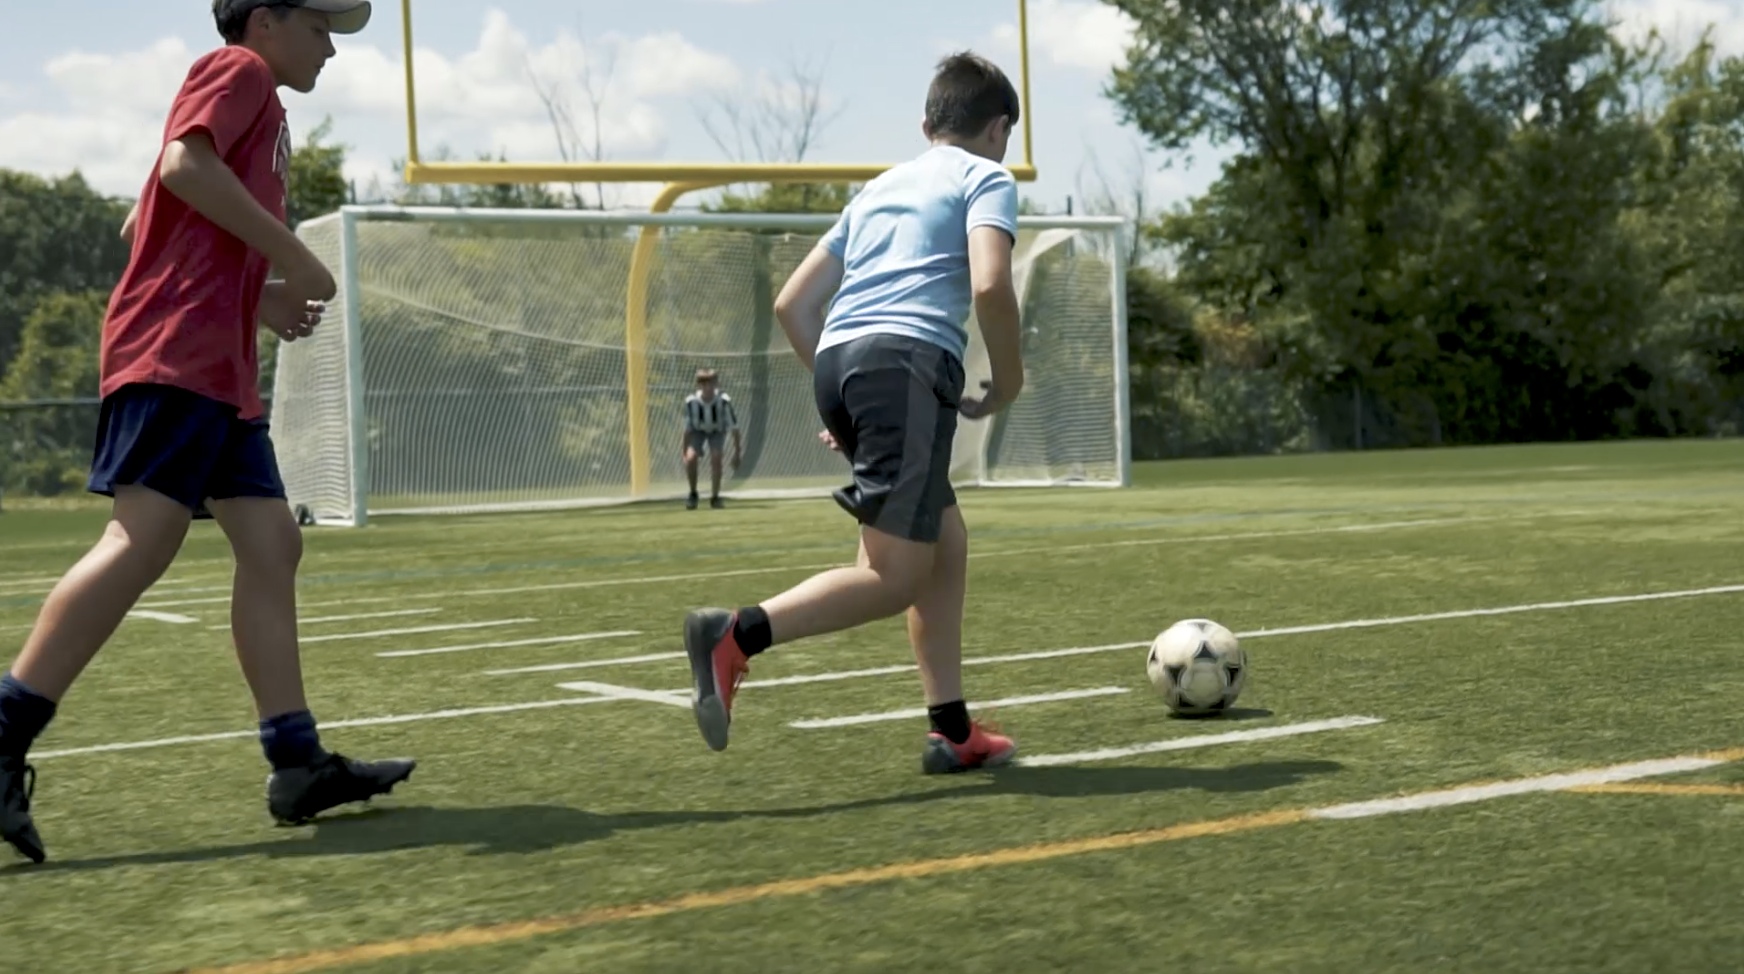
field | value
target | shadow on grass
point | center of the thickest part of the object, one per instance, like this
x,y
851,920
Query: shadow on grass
x,y
520,829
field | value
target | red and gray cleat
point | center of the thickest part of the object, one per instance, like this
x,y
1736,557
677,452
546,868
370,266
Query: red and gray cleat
x,y
717,665
983,749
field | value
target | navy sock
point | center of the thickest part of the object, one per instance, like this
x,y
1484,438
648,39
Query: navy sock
x,y
751,631
23,715
951,719
290,741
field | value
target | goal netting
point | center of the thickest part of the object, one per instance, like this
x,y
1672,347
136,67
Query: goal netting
x,y
480,360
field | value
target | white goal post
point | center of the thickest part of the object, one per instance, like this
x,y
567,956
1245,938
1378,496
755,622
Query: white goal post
x,y
488,360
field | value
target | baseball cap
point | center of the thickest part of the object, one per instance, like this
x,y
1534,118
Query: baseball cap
x,y
343,16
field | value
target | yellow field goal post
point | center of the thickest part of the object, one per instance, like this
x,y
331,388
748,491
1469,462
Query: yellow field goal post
x,y
679,179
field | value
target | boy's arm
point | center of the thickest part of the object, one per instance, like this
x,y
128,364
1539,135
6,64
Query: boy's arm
x,y
805,300
193,170
992,226
997,310
129,225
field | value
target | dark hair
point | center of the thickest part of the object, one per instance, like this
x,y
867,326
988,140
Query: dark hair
x,y
231,16
968,92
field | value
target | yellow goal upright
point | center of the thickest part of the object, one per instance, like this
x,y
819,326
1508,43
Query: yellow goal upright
x,y
679,179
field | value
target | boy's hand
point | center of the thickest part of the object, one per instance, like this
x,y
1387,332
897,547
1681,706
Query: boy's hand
x,y
828,439
310,278
289,317
981,407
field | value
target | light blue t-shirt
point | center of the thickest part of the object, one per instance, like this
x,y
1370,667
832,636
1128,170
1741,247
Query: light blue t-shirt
x,y
904,245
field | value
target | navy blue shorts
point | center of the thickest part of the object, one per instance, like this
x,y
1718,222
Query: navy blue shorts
x,y
183,445
891,403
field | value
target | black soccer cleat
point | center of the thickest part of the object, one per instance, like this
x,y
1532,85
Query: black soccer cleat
x,y
17,783
296,795
690,503
716,502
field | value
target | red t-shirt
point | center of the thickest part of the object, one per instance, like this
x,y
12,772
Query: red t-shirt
x,y
187,307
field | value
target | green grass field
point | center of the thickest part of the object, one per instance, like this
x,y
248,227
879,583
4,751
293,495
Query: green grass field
x,y
561,830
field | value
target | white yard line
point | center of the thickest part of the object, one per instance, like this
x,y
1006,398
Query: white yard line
x,y
831,677
414,630
1261,535
508,644
915,712
171,617
178,603
325,725
356,616
1522,786
691,576
805,678
587,665
216,599
1197,741
1497,611
669,698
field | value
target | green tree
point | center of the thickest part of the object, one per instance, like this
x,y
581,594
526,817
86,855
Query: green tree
x,y
46,450
55,235
1430,219
786,198
317,184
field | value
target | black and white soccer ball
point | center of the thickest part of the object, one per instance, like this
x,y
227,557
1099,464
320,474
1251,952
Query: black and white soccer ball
x,y
1198,666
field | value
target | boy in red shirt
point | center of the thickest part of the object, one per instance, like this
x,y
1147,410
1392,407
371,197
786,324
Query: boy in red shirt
x,y
181,431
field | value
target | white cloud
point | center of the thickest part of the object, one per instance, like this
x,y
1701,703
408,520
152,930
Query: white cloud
x,y
1083,34
486,100
109,117
1682,21
113,121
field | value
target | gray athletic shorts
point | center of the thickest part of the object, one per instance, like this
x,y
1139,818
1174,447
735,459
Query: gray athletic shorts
x,y
695,439
891,403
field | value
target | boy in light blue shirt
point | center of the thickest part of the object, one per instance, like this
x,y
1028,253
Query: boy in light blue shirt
x,y
912,254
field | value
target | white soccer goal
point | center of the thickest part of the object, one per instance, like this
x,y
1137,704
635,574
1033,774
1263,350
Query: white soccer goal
x,y
484,360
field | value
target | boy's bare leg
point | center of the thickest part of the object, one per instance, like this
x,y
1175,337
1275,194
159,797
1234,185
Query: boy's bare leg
x,y
935,621
144,533
935,627
306,779
268,545
690,467
882,583
716,463
885,579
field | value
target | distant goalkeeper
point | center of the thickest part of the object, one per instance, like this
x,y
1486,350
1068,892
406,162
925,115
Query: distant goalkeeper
x,y
708,417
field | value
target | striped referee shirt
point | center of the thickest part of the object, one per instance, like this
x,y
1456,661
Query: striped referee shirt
x,y
715,415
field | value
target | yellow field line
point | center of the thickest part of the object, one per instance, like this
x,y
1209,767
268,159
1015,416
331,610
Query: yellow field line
x,y
1650,788
504,932
501,933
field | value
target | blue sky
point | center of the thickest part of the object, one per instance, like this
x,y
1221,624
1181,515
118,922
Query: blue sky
x,y
86,85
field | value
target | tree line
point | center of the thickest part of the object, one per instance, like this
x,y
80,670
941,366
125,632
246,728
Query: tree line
x,y
1444,222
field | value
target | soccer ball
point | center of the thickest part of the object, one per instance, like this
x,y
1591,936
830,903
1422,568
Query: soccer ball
x,y
1198,667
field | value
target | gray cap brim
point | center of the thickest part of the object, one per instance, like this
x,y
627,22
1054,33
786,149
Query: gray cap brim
x,y
343,16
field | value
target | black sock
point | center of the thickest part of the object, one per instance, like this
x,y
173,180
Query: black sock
x,y
751,631
23,715
951,719
290,740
